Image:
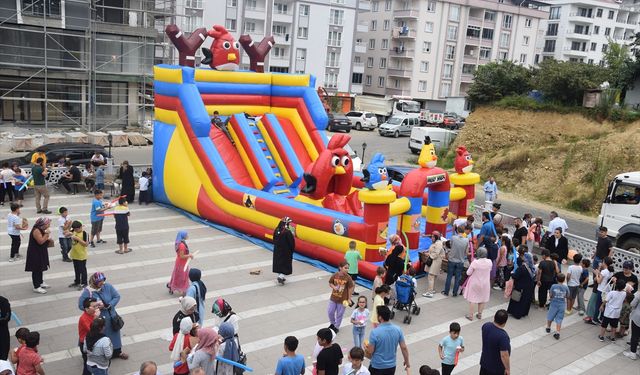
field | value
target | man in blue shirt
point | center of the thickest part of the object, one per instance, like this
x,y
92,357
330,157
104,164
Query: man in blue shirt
x,y
490,190
383,344
496,346
487,234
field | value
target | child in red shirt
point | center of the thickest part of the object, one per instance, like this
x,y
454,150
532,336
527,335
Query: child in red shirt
x,y
91,311
29,361
21,336
181,341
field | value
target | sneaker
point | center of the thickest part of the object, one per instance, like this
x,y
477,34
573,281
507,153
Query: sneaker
x,y
92,244
427,294
581,313
601,338
595,322
44,286
67,260
497,288
281,280
81,286
444,293
73,285
12,259
19,256
39,290
39,211
547,330
355,293
630,355
46,212
556,336
568,312
101,241
611,338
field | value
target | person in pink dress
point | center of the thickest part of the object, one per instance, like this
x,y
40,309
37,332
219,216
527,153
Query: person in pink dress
x,y
180,277
478,288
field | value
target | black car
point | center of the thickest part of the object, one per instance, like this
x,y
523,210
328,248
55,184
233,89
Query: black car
x,y
77,153
338,121
397,172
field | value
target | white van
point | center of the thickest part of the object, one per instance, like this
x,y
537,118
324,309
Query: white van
x,y
441,138
398,125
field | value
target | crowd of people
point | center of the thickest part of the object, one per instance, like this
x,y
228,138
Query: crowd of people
x,y
474,264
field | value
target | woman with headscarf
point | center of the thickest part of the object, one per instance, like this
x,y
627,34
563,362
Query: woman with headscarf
x,y
38,253
284,244
180,276
478,288
198,291
188,308
108,298
229,349
181,341
205,354
436,254
524,284
394,263
99,348
128,182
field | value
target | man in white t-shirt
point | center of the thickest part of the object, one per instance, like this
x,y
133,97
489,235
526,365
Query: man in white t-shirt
x,y
64,233
14,225
557,222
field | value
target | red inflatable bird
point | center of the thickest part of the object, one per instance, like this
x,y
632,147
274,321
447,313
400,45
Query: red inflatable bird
x,y
225,51
332,172
464,161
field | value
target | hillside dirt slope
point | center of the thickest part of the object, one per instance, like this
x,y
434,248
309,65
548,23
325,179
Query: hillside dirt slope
x,y
564,160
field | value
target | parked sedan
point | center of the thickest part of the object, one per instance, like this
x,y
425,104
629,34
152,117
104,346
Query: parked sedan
x,y
76,153
337,122
397,172
362,120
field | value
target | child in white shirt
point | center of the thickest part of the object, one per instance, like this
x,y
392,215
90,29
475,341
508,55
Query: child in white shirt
x,y
612,306
355,366
64,233
143,182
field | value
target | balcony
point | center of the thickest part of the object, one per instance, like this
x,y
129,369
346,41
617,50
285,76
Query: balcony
x,y
360,47
579,36
362,27
408,13
334,43
466,77
572,52
283,39
358,67
332,64
399,91
406,34
255,13
580,17
402,53
279,61
470,59
400,73
283,17
356,88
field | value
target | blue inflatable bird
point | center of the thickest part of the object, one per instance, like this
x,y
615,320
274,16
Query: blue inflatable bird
x,y
375,175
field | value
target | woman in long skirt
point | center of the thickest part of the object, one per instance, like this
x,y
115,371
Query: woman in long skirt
x,y
522,282
38,253
128,182
284,244
180,276
198,291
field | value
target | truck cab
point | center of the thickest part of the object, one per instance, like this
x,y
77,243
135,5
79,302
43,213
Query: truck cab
x,y
620,211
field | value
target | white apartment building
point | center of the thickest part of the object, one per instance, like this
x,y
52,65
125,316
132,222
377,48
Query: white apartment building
x,y
581,30
429,49
312,36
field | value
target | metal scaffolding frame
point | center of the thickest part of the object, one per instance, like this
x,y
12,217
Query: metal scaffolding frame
x,y
92,63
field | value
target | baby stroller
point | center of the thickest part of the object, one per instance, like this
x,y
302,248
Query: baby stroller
x,y
405,298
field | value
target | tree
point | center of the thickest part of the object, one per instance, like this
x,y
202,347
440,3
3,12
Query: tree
x,y
496,80
565,81
621,67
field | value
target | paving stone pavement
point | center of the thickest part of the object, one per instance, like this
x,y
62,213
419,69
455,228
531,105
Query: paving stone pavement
x,y
268,312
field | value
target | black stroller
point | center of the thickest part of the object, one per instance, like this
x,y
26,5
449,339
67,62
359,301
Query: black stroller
x,y
405,298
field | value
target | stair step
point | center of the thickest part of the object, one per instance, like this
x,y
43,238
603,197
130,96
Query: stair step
x,y
273,166
260,140
277,175
279,183
282,191
256,132
264,149
269,157
290,196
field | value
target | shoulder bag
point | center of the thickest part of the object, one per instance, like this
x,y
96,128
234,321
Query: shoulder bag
x,y
116,320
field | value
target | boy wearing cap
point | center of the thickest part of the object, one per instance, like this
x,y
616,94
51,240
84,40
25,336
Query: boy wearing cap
x,y
630,279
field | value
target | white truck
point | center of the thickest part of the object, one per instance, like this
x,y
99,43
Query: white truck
x,y
387,106
620,211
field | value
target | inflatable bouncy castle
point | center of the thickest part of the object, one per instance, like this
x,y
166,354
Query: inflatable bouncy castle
x,y
265,155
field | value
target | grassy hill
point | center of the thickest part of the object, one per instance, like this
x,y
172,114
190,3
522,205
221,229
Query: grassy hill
x,y
562,159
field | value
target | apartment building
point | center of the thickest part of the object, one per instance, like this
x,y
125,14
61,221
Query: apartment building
x,y
582,30
80,63
428,50
312,36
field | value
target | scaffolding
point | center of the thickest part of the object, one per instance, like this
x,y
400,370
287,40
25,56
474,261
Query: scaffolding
x,y
82,63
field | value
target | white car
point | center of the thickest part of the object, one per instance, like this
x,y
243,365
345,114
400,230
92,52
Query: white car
x,y
362,120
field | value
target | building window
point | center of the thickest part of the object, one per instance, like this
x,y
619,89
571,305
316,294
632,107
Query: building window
x,y
452,32
590,62
447,71
383,63
611,14
301,54
426,47
454,13
386,24
303,32
369,62
424,66
525,40
279,69
367,80
468,68
503,55
599,12
374,25
41,7
372,43
333,59
507,20
380,81
487,34
584,12
230,24
396,83
431,6
594,46
523,58
336,17
249,27
504,40
331,80
193,4
549,46
280,8
428,27
473,32
607,31
375,6
422,86
303,10
232,3
356,78
279,52
552,29
485,53
335,38
605,47
450,53
445,89
554,13
596,30
384,44
489,16
387,5
527,22
193,22
279,30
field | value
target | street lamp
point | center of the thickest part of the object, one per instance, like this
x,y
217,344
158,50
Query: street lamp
x,y
364,147
110,138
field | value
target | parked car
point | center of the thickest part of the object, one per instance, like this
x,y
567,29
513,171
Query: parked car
x,y
441,138
338,121
452,120
397,172
362,120
398,125
77,153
